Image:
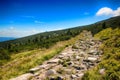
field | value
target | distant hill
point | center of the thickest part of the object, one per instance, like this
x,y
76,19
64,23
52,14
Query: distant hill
x,y
6,38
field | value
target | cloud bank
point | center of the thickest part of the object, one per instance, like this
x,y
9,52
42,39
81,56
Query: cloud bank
x,y
106,11
12,32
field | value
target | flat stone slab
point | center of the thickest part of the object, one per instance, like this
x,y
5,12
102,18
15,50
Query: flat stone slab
x,y
80,75
64,53
43,66
34,69
92,58
26,76
93,51
61,56
53,61
38,68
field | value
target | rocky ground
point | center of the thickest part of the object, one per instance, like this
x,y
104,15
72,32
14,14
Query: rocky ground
x,y
70,64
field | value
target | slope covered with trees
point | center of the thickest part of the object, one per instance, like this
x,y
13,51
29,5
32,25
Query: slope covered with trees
x,y
47,39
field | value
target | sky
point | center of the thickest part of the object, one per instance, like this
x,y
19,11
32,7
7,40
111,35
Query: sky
x,y
19,18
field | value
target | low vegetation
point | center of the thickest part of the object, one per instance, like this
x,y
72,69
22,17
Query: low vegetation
x,y
111,56
22,62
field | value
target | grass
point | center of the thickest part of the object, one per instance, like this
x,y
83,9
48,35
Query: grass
x,y
21,63
110,58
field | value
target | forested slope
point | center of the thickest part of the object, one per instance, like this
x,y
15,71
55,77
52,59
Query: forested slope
x,y
47,39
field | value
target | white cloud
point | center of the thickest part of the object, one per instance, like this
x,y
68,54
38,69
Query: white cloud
x,y
117,12
106,11
12,32
38,22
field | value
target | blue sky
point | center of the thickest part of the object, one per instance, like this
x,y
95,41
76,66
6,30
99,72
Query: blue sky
x,y
20,18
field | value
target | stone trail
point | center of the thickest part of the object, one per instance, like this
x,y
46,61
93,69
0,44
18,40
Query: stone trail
x,y
70,64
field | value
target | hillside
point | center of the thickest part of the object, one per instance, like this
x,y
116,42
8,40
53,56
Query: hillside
x,y
20,55
87,59
21,63
47,39
69,64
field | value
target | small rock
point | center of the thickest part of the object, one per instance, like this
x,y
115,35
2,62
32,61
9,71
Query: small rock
x,y
53,61
43,66
73,76
77,67
92,59
60,56
64,53
55,77
77,57
68,71
80,75
91,64
102,71
34,69
36,74
59,78
50,72
93,51
70,63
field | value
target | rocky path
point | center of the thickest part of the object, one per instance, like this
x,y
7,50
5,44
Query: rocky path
x,y
70,64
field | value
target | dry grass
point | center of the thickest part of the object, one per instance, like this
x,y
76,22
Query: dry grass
x,y
20,63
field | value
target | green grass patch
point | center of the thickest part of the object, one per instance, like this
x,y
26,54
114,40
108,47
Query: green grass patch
x,y
111,56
